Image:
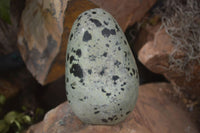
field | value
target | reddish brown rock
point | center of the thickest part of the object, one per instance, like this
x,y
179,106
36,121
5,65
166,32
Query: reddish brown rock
x,y
126,12
154,113
42,39
146,34
155,56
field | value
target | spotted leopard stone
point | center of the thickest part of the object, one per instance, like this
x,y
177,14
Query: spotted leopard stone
x,y
101,73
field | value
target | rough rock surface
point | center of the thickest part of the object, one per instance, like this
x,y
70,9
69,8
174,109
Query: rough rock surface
x,y
39,37
154,113
155,56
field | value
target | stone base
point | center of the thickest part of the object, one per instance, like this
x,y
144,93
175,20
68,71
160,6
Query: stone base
x,y
154,113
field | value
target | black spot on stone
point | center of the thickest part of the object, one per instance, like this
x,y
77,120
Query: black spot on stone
x,y
107,45
105,54
85,97
78,52
76,70
92,57
115,77
125,53
87,36
125,42
96,22
90,71
69,101
123,84
96,112
119,48
71,37
73,50
73,87
133,71
109,40
128,68
131,74
81,81
102,71
120,109
117,63
118,104
122,89
95,108
106,23
103,90
85,13
104,120
93,12
67,80
121,115
78,25
67,56
117,43
80,99
108,94
104,13
79,18
115,117
128,112
112,31
71,59
105,32
110,118
117,27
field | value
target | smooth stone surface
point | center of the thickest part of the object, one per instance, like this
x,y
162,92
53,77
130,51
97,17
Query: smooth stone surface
x,y
101,73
